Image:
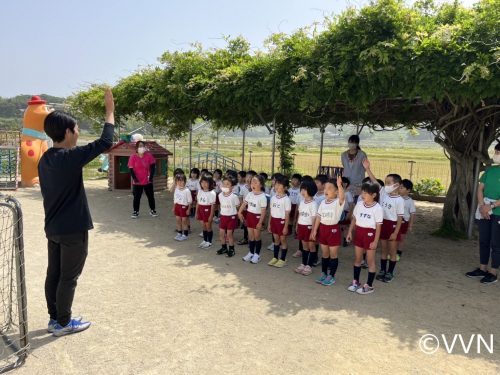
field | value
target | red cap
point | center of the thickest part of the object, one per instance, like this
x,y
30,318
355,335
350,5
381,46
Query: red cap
x,y
36,100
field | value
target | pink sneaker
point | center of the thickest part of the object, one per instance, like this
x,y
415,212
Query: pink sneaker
x,y
297,254
300,268
307,271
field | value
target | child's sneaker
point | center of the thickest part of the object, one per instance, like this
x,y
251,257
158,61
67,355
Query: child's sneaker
x,y
222,250
300,268
182,237
202,244
297,254
271,247
255,258
177,237
380,275
73,326
388,277
216,220
330,280
247,257
366,289
322,278
272,262
477,273
207,245
280,263
307,271
354,286
230,253
243,241
364,265
201,235
153,213
135,215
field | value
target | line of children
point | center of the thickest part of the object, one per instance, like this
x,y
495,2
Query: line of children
x,y
315,208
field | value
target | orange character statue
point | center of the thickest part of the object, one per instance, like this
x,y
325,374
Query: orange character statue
x,y
33,140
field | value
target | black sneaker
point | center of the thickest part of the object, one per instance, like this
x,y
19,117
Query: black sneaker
x,y
489,278
153,213
388,277
230,253
222,250
380,275
477,273
135,215
243,241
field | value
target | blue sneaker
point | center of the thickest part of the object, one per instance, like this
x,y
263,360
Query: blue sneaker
x,y
330,280
321,278
52,323
73,326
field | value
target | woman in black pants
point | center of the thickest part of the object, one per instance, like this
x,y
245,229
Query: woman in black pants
x,y
142,166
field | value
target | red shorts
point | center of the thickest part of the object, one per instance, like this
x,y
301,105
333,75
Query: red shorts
x,y
292,212
180,210
203,213
194,193
404,227
277,226
330,235
228,222
304,232
388,228
252,220
364,237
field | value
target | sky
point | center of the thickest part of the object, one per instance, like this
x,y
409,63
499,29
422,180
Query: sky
x,y
58,47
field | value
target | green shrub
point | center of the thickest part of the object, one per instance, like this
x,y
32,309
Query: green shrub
x,y
430,186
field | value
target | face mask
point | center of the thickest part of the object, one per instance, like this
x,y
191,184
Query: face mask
x,y
141,150
224,189
390,188
496,158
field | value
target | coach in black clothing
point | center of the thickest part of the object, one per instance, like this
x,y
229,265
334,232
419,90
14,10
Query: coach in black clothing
x,y
67,215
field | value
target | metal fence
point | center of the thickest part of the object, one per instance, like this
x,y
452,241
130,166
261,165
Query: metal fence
x,y
13,309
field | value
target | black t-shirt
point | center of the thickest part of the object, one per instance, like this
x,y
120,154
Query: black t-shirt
x,y
61,183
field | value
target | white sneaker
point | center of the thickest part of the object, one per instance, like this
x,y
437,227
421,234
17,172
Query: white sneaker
x,y
201,235
182,238
207,245
247,257
216,220
177,237
271,247
255,258
202,244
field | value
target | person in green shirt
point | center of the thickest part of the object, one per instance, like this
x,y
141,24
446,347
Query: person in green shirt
x,y
488,197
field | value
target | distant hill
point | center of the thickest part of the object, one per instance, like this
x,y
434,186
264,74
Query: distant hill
x,y
14,107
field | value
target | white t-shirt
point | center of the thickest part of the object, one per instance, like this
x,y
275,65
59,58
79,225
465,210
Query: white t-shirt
x,y
182,196
294,195
206,198
280,206
228,204
409,208
256,202
319,197
193,184
393,205
360,199
368,216
236,190
330,212
218,185
307,212
244,190
348,200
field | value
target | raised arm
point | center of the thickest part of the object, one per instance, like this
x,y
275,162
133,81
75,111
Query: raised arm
x,y
366,165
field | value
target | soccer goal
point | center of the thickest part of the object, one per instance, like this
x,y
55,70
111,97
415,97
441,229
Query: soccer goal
x,y
13,309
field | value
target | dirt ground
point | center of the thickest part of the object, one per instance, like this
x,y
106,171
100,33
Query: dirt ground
x,y
163,307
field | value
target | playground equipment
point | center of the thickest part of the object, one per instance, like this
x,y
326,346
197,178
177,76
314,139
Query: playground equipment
x,y
33,140
9,159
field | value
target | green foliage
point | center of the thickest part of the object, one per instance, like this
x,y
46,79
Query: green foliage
x,y
430,186
258,144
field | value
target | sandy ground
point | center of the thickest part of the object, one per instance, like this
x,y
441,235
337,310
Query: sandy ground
x,y
163,307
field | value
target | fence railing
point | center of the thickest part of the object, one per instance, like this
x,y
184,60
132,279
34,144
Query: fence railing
x,y
210,161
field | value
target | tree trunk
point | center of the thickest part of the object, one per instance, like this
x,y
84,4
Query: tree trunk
x,y
459,197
